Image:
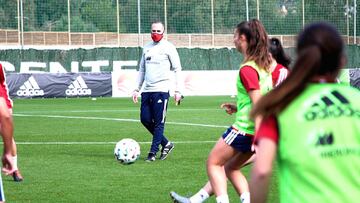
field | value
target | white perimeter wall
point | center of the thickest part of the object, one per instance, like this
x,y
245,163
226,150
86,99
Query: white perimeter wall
x,y
194,83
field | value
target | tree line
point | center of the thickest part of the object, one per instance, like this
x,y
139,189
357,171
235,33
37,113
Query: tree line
x,y
182,16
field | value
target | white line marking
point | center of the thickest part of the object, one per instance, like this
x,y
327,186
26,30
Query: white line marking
x,y
103,143
112,110
117,119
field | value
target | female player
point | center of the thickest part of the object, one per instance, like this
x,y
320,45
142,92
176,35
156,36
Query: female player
x,y
280,62
279,71
312,124
234,149
5,94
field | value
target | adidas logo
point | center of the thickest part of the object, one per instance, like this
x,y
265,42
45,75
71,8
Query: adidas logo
x,y
78,88
332,105
30,88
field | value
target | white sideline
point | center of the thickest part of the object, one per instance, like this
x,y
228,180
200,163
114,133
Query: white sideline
x,y
117,119
102,143
114,110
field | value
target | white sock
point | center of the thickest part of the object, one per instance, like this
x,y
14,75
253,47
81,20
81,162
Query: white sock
x,y
14,159
222,199
199,197
245,197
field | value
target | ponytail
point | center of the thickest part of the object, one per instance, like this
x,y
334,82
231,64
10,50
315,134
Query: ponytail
x,y
320,51
275,101
278,53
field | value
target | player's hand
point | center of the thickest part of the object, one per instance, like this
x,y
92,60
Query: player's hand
x,y
178,97
230,108
7,164
135,96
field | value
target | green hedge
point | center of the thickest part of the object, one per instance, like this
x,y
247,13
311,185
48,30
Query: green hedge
x,y
191,59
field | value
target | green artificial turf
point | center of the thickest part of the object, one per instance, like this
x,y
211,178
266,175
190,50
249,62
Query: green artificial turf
x,y
65,150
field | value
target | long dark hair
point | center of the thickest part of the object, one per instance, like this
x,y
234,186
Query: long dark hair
x,y
257,40
278,53
320,53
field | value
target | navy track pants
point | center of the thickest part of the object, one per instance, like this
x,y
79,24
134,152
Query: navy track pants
x,y
153,115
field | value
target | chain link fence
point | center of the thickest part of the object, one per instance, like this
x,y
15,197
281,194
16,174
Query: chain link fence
x,y
189,23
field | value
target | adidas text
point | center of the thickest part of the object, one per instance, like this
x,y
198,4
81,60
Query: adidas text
x,y
30,92
78,88
74,92
331,112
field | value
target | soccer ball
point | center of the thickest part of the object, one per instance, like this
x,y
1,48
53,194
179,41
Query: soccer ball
x,y
127,151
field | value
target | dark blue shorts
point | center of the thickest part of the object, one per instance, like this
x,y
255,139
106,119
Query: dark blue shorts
x,y
240,141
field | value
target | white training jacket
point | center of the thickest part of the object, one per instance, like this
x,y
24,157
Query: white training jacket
x,y
158,62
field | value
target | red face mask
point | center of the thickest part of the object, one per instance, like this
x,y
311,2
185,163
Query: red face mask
x,y
156,37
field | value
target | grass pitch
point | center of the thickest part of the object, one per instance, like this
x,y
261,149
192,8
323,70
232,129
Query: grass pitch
x,y
65,150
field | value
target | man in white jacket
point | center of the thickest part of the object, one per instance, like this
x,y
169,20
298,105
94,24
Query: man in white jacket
x,y
158,62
